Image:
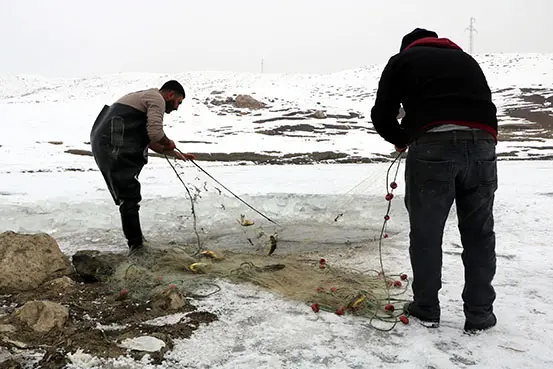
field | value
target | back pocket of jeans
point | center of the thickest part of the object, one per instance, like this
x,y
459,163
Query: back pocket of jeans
x,y
487,176
117,131
433,178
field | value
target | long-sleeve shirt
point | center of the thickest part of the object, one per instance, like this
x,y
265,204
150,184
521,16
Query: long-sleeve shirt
x,y
152,103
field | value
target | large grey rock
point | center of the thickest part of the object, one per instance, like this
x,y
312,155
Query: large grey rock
x,y
42,316
246,101
29,260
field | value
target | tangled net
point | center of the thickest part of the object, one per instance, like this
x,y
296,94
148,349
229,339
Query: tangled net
x,y
316,282
319,283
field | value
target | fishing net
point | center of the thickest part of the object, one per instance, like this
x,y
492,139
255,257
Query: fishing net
x,y
317,282
262,257
311,223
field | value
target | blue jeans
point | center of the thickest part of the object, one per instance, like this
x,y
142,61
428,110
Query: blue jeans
x,y
440,168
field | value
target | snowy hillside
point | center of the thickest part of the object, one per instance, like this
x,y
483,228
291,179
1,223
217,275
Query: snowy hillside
x,y
287,128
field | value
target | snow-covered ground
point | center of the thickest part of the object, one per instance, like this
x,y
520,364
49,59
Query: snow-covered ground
x,y
259,329
63,110
66,197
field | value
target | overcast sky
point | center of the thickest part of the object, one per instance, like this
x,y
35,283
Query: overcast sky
x,y
74,37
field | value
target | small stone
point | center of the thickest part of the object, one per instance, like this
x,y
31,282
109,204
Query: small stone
x,y
7,328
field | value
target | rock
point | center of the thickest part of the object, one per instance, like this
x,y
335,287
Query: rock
x,y
248,102
7,328
169,299
93,266
78,152
319,114
28,260
61,284
42,316
218,102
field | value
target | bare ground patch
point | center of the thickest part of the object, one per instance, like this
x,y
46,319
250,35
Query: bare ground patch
x,y
270,157
535,112
94,308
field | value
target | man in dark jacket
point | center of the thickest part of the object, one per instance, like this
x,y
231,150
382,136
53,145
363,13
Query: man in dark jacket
x,y
120,139
450,128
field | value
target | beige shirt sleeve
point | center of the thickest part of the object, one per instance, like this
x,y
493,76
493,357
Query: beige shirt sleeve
x,y
155,109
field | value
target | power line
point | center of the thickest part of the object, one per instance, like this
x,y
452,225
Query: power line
x,y
471,30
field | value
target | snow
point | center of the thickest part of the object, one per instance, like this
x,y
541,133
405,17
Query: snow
x,y
32,104
257,328
167,320
143,343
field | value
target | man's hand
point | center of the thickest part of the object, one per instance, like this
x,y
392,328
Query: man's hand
x,y
170,149
183,156
169,146
401,149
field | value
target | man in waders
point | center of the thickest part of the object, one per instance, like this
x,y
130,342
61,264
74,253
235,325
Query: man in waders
x,y
120,139
450,128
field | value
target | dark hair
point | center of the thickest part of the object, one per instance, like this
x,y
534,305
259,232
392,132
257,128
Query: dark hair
x,y
173,86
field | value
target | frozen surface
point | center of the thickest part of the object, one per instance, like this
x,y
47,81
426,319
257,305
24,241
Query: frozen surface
x,y
257,328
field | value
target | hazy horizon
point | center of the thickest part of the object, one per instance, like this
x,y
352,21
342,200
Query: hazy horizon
x,y
60,38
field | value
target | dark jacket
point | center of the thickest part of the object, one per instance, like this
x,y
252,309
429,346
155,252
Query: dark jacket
x,y
119,133
437,83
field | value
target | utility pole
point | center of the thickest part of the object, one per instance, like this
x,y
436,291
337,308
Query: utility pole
x,y
471,29
261,65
